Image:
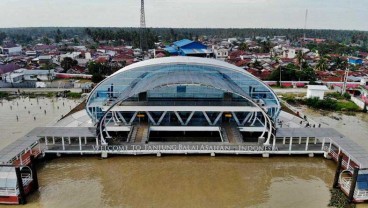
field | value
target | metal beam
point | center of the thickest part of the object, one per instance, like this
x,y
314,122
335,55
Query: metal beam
x,y
179,118
189,118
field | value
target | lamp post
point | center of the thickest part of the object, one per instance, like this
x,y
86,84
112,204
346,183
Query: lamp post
x,y
280,75
343,90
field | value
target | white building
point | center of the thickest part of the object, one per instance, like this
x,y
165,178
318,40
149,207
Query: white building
x,y
39,75
15,76
221,53
21,75
14,50
363,81
316,91
292,52
31,53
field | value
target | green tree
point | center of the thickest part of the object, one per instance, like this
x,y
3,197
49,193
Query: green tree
x,y
67,63
300,59
46,40
96,78
322,64
243,47
58,36
2,37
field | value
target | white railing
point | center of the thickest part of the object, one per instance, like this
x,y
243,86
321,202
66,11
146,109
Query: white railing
x,y
359,194
8,192
335,155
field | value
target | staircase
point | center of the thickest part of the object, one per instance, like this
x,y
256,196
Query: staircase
x,y
233,133
142,133
132,134
224,135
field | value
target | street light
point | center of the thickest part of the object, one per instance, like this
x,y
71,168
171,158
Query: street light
x,y
280,75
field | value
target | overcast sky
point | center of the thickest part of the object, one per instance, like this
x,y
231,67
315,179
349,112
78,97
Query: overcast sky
x,y
322,14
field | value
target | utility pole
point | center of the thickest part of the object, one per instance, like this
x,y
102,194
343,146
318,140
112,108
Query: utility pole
x,y
280,75
305,23
142,29
343,90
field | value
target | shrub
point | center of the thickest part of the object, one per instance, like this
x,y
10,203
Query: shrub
x,y
74,95
4,94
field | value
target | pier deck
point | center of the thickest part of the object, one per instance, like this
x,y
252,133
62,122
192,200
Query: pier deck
x,y
288,141
16,149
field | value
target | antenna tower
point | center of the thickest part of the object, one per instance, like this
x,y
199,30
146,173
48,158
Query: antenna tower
x,y
142,29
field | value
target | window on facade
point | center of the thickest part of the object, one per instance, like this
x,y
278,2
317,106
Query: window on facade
x,y
181,89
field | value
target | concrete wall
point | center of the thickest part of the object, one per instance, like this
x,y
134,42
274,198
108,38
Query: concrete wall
x,y
358,101
316,93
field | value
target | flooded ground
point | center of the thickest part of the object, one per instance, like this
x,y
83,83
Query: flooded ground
x,y
181,181
31,113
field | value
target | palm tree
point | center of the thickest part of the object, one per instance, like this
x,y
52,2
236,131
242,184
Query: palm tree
x,y
322,64
300,59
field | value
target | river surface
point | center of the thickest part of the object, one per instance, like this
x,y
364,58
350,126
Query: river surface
x,y
176,181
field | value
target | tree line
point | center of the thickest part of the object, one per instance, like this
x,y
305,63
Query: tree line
x,y
131,35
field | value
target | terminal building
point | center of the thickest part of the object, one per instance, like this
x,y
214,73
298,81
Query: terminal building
x,y
183,99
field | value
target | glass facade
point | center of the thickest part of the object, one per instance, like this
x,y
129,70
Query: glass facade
x,y
182,81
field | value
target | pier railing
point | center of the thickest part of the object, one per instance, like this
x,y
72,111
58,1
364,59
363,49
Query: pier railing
x,y
359,194
9,192
334,150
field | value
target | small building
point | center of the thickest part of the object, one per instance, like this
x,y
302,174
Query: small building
x,y
39,75
31,53
21,75
11,49
5,68
316,91
221,53
15,76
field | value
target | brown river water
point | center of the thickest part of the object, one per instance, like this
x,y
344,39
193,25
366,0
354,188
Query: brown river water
x,y
176,181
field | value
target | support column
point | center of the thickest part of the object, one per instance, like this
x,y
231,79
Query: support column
x,y
300,140
96,141
291,143
337,172
85,140
80,143
34,173
63,142
274,143
53,140
284,140
46,142
306,144
69,141
353,184
22,195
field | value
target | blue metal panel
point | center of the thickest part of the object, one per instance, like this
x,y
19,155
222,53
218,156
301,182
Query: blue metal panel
x,y
171,50
181,43
194,45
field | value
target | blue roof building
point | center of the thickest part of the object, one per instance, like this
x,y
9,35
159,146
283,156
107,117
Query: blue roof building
x,y
187,47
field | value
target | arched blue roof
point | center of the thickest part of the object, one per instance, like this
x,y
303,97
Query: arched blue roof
x,y
153,73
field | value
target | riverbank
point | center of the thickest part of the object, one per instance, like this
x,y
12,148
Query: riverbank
x,y
332,102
